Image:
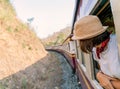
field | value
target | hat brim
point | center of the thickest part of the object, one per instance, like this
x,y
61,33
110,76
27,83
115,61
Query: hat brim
x,y
90,35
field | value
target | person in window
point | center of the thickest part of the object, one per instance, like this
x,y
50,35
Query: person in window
x,y
95,38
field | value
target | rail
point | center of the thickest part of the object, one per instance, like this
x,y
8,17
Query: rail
x,y
71,59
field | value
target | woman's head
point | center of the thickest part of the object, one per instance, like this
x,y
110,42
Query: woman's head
x,y
88,27
87,45
90,32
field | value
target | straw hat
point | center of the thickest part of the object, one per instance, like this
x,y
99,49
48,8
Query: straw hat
x,y
88,27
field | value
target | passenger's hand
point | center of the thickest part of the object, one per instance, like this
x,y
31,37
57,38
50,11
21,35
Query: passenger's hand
x,y
110,78
104,80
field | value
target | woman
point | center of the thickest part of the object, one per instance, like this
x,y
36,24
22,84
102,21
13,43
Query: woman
x,y
96,39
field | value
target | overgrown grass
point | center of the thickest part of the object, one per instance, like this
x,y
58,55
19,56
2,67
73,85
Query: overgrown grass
x,y
8,17
24,84
2,86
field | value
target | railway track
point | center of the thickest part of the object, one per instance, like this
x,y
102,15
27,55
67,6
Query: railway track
x,y
69,78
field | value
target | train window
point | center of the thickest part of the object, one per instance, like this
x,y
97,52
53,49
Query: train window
x,y
96,67
83,59
106,18
80,54
102,9
72,46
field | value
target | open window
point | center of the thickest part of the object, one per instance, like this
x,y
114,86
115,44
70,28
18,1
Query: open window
x,y
104,13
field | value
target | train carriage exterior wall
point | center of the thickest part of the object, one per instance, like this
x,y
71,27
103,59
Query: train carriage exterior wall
x,y
87,7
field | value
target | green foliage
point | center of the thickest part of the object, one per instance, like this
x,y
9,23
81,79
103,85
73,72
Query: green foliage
x,y
9,29
108,21
6,10
50,44
8,17
24,84
30,48
57,38
16,30
4,1
2,86
60,39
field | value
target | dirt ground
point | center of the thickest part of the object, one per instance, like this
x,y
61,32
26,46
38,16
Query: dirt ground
x,y
51,72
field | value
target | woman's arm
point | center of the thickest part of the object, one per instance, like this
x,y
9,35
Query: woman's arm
x,y
104,81
116,83
108,82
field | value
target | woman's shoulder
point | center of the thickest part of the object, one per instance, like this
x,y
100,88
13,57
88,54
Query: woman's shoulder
x,y
113,42
113,39
113,36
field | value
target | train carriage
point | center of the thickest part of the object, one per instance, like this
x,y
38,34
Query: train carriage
x,y
108,13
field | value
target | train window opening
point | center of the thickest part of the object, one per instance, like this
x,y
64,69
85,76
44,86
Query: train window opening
x,y
83,59
80,54
106,18
96,68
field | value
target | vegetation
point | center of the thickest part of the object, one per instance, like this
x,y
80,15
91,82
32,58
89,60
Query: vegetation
x,y
57,38
20,49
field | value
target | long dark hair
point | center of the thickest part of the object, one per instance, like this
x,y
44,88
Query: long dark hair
x,y
87,45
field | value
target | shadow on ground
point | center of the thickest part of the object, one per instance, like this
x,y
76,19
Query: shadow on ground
x,y
50,72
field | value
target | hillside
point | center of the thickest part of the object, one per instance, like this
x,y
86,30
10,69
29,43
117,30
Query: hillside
x,y
19,46
58,37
